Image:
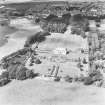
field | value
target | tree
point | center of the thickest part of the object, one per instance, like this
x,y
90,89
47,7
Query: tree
x,y
12,71
68,78
50,17
88,81
37,61
30,74
4,82
21,73
80,22
37,38
4,75
66,18
84,61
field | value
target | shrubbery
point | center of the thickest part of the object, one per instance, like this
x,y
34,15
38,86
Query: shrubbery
x,y
4,78
96,75
88,81
84,61
93,77
5,75
37,38
37,61
4,82
16,71
57,79
30,74
68,78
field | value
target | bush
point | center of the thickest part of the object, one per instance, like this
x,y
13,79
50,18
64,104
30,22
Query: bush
x,y
87,29
35,38
31,64
57,79
4,82
78,32
79,65
36,74
97,25
37,61
72,32
97,76
68,78
30,74
64,30
93,77
81,78
26,44
37,20
5,75
76,79
5,65
83,35
75,30
88,81
99,83
84,61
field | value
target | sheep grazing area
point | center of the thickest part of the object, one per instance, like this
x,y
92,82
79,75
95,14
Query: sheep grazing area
x,y
32,92
53,71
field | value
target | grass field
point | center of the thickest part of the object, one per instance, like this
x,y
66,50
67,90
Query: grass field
x,y
39,92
